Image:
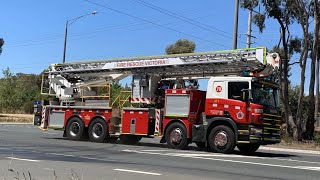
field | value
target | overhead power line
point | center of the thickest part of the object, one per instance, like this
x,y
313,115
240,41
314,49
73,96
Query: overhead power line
x,y
185,19
156,24
54,38
188,20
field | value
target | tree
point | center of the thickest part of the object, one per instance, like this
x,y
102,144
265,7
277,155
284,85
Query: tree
x,y
309,134
181,46
19,91
8,101
301,12
281,11
287,12
1,44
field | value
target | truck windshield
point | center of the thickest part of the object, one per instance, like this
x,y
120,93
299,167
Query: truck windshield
x,y
265,95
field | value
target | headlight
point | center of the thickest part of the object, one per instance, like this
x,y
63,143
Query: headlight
x,y
255,131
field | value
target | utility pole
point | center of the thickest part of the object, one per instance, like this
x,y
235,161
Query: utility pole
x,y
235,25
249,28
65,43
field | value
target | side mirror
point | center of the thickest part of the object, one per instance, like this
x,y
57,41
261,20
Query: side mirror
x,y
246,95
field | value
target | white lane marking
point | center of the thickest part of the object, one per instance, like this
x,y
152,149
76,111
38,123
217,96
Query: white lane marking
x,y
58,154
69,155
290,150
156,150
227,160
139,172
48,169
20,159
204,154
310,168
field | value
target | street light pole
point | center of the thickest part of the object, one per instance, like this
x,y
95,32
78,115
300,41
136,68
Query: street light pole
x,y
68,23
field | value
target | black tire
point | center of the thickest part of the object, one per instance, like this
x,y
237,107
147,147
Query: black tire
x,y
176,136
98,130
248,148
201,145
129,139
222,139
74,129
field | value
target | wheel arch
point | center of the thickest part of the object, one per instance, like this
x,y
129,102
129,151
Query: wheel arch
x,y
73,116
99,117
213,122
163,140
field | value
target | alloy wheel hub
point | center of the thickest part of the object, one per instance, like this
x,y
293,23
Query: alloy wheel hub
x,y
176,135
97,130
75,128
221,138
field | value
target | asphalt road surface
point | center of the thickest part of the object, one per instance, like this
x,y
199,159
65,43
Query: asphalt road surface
x,y
26,152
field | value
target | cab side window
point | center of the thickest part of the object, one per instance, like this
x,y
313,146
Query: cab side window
x,y
234,89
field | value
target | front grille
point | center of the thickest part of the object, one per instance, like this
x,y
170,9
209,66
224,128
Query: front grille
x,y
271,127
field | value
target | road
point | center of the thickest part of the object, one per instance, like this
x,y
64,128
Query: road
x,y
27,151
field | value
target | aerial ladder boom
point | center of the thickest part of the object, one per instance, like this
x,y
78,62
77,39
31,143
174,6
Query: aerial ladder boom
x,y
207,63
189,65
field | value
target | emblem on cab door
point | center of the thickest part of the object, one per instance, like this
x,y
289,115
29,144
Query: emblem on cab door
x,y
240,115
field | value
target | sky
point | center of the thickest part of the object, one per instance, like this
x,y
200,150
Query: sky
x,y
33,30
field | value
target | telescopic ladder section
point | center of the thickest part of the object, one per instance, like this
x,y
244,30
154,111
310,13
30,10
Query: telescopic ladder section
x,y
167,66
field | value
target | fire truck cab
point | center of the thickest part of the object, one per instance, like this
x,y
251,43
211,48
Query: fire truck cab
x,y
239,108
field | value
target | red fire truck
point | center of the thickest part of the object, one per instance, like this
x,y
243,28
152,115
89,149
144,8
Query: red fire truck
x,y
240,106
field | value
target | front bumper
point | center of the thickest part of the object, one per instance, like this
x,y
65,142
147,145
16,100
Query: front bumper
x,y
268,133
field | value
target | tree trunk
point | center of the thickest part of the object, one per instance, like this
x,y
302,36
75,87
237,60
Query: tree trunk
x,y
317,91
297,135
310,122
285,82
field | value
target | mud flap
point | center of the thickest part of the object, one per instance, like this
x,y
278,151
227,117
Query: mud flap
x,y
199,133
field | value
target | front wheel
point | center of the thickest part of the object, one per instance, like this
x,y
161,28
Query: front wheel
x,y
176,136
222,139
248,148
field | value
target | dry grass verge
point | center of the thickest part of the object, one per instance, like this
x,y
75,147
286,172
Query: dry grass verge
x,y
312,145
16,118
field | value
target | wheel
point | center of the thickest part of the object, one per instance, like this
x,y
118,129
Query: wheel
x,y
74,130
221,139
248,148
201,145
130,139
98,130
176,136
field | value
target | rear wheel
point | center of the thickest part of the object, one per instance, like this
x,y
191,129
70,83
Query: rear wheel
x,y
74,129
98,130
130,139
222,139
176,136
248,148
